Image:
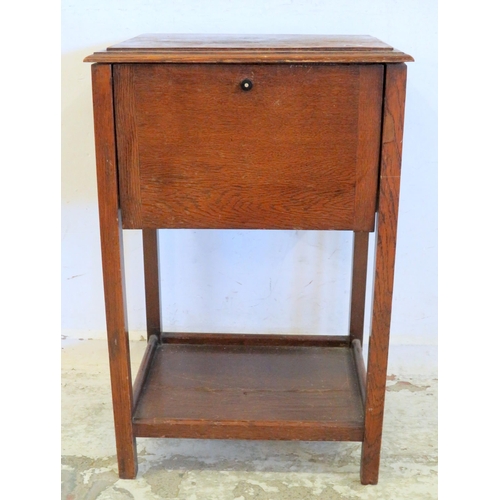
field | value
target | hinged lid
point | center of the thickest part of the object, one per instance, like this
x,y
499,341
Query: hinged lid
x,y
250,49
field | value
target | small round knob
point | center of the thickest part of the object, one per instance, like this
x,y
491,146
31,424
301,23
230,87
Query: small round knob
x,y
246,84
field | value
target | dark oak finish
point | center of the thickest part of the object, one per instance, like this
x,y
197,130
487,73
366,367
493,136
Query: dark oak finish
x,y
358,285
267,43
392,143
237,49
152,281
315,143
249,392
112,266
359,362
240,429
241,339
143,372
127,151
196,151
250,57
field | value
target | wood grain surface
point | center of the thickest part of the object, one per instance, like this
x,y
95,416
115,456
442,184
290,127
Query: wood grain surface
x,y
359,362
142,373
358,285
251,392
242,339
209,42
171,48
392,141
113,270
152,283
298,151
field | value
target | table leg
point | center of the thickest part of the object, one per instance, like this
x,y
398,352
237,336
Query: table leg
x,y
358,286
392,137
152,281
112,265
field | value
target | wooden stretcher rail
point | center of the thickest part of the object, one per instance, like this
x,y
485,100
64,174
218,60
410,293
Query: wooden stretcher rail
x,y
357,352
142,374
256,339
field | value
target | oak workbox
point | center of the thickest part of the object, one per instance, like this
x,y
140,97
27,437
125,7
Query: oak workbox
x,y
249,132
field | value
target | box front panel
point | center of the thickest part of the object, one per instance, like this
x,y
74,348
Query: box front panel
x,y
298,150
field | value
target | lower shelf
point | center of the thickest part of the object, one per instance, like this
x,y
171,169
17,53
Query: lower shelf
x,y
250,392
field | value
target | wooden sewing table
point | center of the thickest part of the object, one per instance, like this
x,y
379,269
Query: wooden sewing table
x,y
249,132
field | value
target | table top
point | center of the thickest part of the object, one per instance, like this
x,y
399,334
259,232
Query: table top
x,y
212,48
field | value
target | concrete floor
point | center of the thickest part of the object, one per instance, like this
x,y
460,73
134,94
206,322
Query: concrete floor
x,y
246,470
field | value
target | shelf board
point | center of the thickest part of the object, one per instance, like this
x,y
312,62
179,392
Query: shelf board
x,y
250,392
